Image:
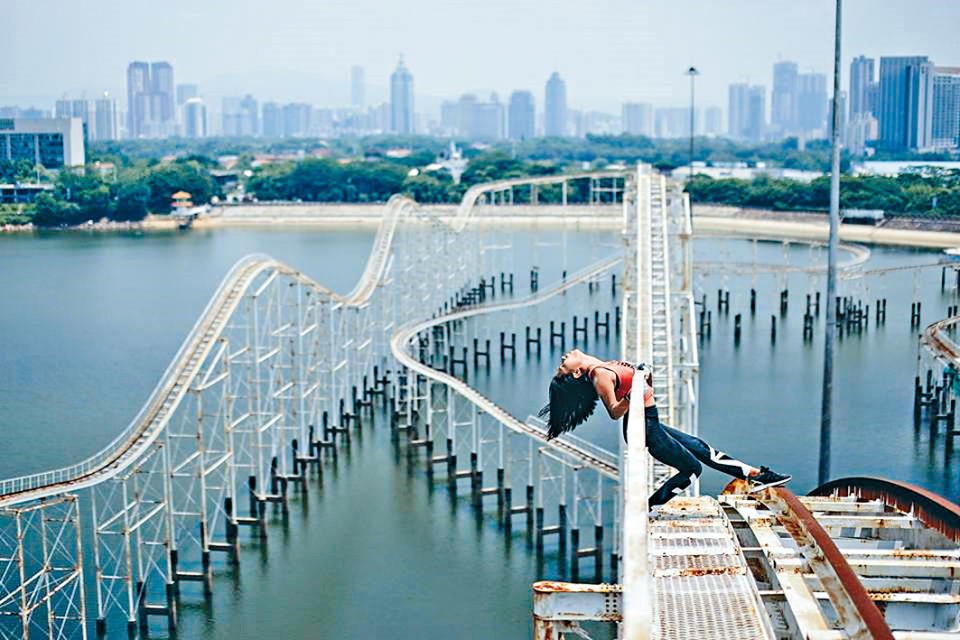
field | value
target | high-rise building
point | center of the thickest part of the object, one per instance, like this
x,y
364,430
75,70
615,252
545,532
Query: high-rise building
x,y
272,120
230,117
862,128
357,87
522,116
138,98
76,109
756,121
861,79
783,101
249,116
450,117
52,142
240,117
637,119
150,100
737,109
811,104
713,121
746,112
401,100
945,128
673,122
105,118
906,102
871,99
194,118
296,119
466,114
488,119
185,92
162,101
555,107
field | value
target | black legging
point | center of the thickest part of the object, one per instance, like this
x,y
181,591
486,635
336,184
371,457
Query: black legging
x,y
684,453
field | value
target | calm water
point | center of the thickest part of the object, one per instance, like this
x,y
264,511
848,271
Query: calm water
x,y
90,321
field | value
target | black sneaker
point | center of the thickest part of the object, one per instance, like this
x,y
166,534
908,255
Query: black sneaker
x,y
767,478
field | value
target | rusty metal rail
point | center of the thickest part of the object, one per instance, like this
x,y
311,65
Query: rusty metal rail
x,y
856,558
857,613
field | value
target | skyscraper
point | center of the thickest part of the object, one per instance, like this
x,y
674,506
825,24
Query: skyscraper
x,y
555,107
811,103
713,124
746,112
783,102
162,100
450,117
296,119
466,114
138,98
756,120
194,118
737,109
272,120
673,122
488,119
357,87
906,102
230,117
637,118
249,116
861,79
185,92
401,100
105,118
76,109
522,116
150,100
946,108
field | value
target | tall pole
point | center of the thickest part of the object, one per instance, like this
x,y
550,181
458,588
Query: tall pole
x,y
693,73
826,408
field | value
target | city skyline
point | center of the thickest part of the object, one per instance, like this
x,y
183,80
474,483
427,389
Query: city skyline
x,y
799,107
282,68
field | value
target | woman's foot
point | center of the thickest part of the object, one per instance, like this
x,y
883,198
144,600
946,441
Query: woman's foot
x,y
767,478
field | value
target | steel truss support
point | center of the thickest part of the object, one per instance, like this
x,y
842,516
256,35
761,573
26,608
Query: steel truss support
x,y
41,570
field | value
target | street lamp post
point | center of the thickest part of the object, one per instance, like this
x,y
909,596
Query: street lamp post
x,y
693,73
826,407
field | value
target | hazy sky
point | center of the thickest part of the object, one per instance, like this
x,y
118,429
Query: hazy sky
x,y
607,51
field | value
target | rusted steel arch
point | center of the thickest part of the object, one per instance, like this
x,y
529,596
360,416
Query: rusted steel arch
x,y
840,581
934,511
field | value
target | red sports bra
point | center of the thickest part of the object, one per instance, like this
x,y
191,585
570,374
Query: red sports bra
x,y
623,371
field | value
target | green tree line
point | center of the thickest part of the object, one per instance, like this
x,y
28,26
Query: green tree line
x,y
932,193
128,196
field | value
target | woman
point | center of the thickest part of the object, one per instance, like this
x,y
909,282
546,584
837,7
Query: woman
x,y
581,379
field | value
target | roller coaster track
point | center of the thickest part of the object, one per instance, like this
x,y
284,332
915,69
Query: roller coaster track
x,y
183,370
403,342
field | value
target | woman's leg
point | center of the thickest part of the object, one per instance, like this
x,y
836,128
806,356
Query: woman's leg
x,y
711,457
669,451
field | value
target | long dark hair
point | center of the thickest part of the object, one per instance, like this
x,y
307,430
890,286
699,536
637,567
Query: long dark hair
x,y
572,401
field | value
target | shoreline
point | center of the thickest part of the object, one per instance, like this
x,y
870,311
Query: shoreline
x,y
708,220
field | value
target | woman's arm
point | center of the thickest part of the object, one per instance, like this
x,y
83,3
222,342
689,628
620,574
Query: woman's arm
x,y
604,382
605,385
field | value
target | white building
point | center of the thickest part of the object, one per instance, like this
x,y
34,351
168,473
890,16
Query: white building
x,y
53,143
